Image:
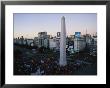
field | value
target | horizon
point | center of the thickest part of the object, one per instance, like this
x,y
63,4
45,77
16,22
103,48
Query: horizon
x,y
51,36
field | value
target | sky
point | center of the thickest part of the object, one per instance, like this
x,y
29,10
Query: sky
x,y
29,24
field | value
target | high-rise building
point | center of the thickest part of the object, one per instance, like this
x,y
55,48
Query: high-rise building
x,y
63,60
79,44
35,41
42,39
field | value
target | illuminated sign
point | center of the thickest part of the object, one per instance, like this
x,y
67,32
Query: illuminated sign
x,y
77,34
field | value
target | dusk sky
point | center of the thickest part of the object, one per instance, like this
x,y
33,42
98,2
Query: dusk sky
x,y
29,24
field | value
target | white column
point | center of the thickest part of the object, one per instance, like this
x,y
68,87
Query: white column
x,y
63,60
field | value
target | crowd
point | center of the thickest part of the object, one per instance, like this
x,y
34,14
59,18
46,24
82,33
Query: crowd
x,y
43,64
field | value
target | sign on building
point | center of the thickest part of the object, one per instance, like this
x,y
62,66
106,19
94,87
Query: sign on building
x,y
77,34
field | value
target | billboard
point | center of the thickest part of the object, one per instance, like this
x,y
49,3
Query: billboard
x,y
77,34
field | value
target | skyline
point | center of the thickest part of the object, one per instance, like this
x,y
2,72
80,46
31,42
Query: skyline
x,y
28,25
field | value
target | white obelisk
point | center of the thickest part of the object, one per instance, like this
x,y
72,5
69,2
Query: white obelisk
x,y
63,60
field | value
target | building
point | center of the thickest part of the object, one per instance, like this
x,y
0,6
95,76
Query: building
x,y
43,40
52,43
46,42
15,40
58,44
93,46
88,39
30,42
20,41
79,44
35,41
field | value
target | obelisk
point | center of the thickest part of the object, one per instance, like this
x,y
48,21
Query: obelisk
x,y
63,60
